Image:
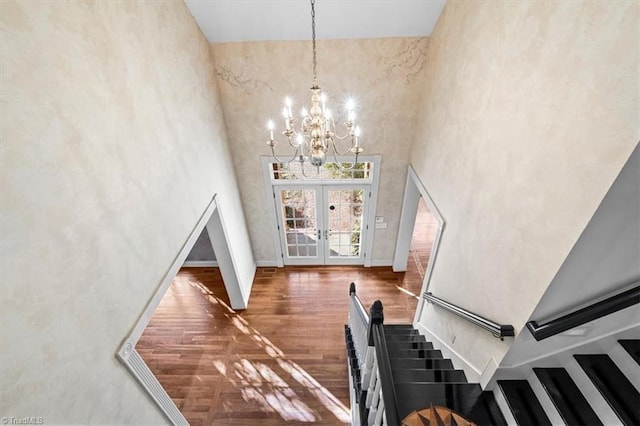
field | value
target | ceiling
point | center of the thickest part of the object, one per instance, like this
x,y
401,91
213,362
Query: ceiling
x,y
263,20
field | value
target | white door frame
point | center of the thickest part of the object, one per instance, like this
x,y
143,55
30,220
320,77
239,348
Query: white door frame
x,y
127,353
413,190
368,221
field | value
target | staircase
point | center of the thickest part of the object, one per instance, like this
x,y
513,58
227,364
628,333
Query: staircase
x,y
592,389
422,377
398,378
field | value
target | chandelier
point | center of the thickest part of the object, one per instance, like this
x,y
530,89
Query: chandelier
x,y
316,135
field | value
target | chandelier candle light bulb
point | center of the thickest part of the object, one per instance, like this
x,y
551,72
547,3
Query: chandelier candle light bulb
x,y
317,132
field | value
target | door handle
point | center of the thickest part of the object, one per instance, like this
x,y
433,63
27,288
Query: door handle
x,y
319,234
326,234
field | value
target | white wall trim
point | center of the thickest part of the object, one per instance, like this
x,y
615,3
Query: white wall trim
x,y
200,264
139,369
271,210
220,241
127,354
371,211
414,189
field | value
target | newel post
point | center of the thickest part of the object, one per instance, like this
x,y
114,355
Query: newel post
x,y
376,317
352,289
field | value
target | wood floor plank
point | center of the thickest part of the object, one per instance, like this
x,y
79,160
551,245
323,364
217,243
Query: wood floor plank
x,y
283,359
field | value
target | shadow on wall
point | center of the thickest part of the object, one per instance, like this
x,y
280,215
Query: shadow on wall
x,y
202,251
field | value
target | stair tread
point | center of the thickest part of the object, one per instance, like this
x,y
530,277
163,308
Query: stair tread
x,y
566,397
401,344
405,338
398,326
614,386
415,375
467,399
400,332
524,405
632,346
423,363
415,353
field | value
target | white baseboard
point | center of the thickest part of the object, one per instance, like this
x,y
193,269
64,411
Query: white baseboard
x,y
200,264
137,367
266,264
472,372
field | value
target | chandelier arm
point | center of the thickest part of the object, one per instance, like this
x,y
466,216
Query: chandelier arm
x,y
295,156
340,166
331,124
348,134
293,145
336,152
305,173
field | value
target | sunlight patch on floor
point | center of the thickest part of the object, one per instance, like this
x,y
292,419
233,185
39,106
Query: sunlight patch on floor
x,y
407,292
260,384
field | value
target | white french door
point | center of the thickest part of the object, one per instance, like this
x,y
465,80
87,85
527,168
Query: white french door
x,y
322,224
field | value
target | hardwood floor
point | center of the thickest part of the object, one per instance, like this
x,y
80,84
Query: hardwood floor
x,y
424,233
283,359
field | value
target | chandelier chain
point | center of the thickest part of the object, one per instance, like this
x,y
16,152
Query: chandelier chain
x,y
317,136
313,38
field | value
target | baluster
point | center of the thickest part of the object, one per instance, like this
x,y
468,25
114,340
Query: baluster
x,y
372,386
380,412
367,368
375,402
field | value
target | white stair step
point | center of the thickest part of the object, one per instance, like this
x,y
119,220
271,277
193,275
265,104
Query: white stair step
x,y
550,410
504,407
591,393
626,364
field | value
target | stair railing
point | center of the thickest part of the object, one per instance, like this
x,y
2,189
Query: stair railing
x,y
362,361
498,330
373,399
384,405
582,316
359,325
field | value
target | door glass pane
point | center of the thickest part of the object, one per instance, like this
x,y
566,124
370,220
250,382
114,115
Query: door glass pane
x,y
299,217
345,221
329,171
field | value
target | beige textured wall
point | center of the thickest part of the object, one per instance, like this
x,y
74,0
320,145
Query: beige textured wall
x,y
383,75
112,145
530,111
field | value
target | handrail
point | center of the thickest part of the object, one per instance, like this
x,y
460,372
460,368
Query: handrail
x,y
384,366
590,313
498,330
360,309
